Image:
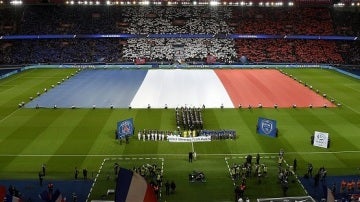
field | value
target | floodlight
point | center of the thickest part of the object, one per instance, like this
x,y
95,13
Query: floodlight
x,y
16,2
214,3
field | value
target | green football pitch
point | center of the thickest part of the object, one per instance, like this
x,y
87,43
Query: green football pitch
x,y
84,138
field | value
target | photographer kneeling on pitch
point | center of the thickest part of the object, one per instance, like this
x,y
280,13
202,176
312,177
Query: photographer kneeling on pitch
x,y
197,176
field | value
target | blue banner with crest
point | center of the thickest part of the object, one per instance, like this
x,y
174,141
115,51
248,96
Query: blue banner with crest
x,y
125,127
266,127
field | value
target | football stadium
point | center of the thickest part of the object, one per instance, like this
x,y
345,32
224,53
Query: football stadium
x,y
179,101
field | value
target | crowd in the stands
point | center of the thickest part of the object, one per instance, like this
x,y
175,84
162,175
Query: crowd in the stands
x,y
289,51
284,21
143,20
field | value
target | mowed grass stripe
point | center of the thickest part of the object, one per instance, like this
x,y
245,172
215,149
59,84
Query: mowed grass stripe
x,y
299,135
24,135
333,83
71,148
24,87
343,136
80,138
105,143
149,119
249,140
343,122
26,132
52,135
84,134
211,122
244,122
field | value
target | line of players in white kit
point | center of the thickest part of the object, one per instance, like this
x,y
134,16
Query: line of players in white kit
x,y
153,135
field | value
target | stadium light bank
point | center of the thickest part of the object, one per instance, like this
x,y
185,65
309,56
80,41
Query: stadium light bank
x,y
16,2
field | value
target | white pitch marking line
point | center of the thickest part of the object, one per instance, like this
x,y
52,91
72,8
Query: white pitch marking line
x,y
127,156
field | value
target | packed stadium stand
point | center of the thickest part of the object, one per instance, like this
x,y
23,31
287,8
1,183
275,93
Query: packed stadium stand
x,y
284,21
217,22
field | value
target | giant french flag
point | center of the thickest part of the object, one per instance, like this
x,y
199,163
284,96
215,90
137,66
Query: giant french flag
x,y
140,88
132,187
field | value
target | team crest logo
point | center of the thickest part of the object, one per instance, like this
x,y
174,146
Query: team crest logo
x,y
125,127
320,138
266,126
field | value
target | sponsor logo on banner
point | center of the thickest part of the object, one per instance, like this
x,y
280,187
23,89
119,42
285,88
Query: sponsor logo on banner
x,y
174,138
266,127
321,139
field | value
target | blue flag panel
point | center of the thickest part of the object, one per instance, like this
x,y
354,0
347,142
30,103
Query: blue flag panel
x,y
266,127
125,127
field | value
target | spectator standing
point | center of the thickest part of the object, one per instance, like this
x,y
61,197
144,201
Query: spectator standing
x,y
41,179
295,165
43,168
167,188
310,169
285,187
76,174
85,173
242,189
50,188
74,197
257,158
173,186
190,157
333,189
116,168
